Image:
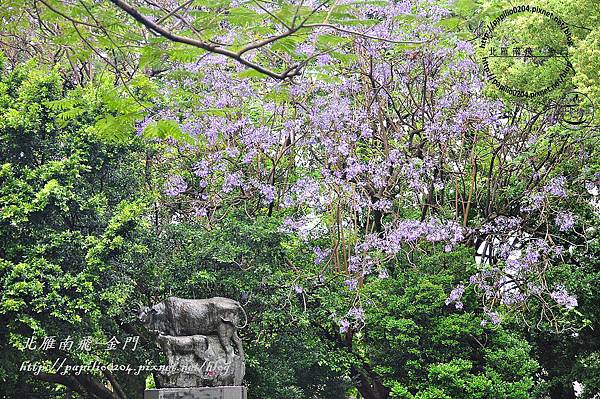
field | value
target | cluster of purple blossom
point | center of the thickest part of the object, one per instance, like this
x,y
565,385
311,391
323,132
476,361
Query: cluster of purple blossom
x,y
563,298
502,225
354,318
456,296
565,220
403,232
321,255
556,187
358,155
492,316
175,185
519,277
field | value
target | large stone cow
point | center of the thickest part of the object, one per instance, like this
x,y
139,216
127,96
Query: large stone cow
x,y
180,317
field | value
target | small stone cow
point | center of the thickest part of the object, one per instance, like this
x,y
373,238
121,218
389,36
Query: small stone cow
x,y
179,317
175,347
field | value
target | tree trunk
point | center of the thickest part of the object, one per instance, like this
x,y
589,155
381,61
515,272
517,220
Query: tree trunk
x,y
563,391
368,384
82,384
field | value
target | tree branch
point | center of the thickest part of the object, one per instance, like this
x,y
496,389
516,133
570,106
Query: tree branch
x,y
149,24
65,380
115,384
271,39
73,20
355,33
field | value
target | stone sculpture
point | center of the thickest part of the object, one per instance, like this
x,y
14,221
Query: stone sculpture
x,y
196,336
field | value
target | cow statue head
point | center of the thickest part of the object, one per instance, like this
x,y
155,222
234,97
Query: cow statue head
x,y
145,315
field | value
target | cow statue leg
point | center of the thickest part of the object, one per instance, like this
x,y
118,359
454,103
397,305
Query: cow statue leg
x,y
239,372
238,343
164,343
225,332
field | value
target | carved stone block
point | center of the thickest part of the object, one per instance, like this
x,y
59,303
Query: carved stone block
x,y
198,361
197,393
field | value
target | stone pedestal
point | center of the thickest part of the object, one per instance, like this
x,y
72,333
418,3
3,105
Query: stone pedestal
x,y
236,392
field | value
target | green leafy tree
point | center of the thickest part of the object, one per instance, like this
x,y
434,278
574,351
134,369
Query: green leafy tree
x,y
71,224
425,349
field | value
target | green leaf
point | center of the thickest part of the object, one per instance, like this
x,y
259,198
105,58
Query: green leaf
x,y
251,73
451,23
242,16
166,128
465,7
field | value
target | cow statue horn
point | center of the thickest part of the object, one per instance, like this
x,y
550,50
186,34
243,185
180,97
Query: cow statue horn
x,y
232,321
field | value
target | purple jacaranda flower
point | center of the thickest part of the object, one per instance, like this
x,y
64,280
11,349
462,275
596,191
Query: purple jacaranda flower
x,y
367,266
250,156
344,326
232,180
306,191
141,126
351,283
305,49
455,296
324,59
355,264
382,205
357,314
268,192
201,168
502,224
494,317
563,298
366,132
298,289
556,187
465,46
175,185
192,127
512,296
232,152
533,202
321,255
565,220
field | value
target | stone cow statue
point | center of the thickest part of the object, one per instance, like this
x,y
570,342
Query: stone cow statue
x,y
181,317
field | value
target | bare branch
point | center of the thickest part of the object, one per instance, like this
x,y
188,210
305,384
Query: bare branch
x,y
175,10
269,40
73,20
355,33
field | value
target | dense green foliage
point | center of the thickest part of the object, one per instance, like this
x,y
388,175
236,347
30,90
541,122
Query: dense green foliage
x,y
70,216
429,351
